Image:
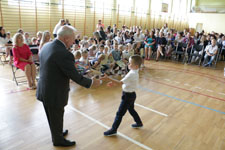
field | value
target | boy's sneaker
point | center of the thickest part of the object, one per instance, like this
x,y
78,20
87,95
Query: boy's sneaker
x,y
135,125
110,132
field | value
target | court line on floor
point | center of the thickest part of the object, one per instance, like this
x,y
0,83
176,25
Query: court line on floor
x,y
186,90
221,93
172,97
186,84
190,72
160,113
158,64
107,127
6,80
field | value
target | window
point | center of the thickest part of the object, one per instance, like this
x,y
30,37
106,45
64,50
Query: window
x,y
156,5
100,4
27,2
79,5
142,7
125,6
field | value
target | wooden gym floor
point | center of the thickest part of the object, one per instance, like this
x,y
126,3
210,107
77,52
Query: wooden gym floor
x,y
182,108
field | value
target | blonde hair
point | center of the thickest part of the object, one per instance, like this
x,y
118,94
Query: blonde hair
x,y
101,57
39,33
77,54
43,39
120,47
93,47
84,52
106,47
15,38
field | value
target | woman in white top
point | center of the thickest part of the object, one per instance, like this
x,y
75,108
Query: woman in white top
x,y
60,24
5,46
3,39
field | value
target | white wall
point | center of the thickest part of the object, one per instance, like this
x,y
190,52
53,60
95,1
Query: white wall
x,y
210,21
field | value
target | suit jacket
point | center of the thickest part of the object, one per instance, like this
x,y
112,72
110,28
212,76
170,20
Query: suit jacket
x,y
56,70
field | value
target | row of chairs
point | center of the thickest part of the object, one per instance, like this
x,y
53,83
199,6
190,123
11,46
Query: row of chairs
x,y
197,51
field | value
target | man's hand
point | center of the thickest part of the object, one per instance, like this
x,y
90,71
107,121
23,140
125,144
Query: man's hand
x,y
105,77
110,84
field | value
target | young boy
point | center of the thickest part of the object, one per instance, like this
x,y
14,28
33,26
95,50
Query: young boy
x,y
129,85
101,49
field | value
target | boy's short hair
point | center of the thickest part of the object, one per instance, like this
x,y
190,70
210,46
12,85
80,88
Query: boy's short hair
x,y
120,46
33,38
106,46
85,43
134,46
93,47
84,52
102,56
77,54
137,60
101,46
115,42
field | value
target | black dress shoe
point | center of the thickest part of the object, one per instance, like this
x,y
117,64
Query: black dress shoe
x,y
65,132
65,143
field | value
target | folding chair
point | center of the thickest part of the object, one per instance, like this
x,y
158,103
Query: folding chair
x,y
217,57
196,53
15,77
2,55
35,50
214,63
179,51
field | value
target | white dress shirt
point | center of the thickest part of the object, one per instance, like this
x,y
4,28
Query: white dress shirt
x,y
130,81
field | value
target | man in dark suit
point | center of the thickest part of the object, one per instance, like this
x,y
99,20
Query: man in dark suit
x,y
56,70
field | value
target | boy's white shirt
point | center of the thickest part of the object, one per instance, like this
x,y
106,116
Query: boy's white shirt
x,y
130,81
84,60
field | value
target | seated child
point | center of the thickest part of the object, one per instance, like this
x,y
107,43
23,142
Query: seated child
x,y
101,49
75,48
116,53
84,62
96,63
91,53
79,66
85,46
126,55
108,43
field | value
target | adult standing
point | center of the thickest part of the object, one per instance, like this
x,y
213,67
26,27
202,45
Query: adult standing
x,y
56,70
100,24
58,26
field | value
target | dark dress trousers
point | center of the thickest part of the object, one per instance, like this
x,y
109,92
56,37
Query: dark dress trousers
x,y
56,70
